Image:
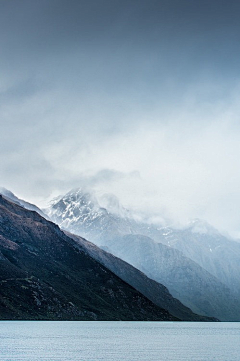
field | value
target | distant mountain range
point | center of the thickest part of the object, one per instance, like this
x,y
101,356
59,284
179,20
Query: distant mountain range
x,y
186,280
197,264
153,290
213,251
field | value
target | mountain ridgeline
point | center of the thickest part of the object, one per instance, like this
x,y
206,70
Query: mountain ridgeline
x,y
153,290
198,265
46,276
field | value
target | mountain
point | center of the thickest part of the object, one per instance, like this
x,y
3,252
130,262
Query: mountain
x,y
153,290
46,276
79,212
170,256
185,279
11,197
218,254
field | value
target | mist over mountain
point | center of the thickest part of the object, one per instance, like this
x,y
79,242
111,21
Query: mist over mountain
x,y
198,264
209,248
45,275
153,290
186,280
135,98
80,212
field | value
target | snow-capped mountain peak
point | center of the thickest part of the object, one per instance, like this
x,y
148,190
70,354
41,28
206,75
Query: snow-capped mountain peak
x,y
80,212
78,205
10,196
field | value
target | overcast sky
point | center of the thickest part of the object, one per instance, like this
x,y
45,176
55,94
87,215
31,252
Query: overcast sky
x,y
139,98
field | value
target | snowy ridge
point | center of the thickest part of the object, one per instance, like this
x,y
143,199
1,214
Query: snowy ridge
x,y
80,212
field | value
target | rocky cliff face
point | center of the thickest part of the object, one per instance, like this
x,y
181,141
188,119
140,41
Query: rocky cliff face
x,y
43,275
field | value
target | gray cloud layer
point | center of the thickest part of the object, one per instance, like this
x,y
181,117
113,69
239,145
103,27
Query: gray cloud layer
x,y
139,98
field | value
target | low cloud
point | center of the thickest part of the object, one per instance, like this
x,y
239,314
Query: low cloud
x,y
139,100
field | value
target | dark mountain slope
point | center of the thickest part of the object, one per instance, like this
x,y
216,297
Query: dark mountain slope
x,y
153,290
12,198
43,275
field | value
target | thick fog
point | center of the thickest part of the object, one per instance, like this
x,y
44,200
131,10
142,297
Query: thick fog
x,y
136,98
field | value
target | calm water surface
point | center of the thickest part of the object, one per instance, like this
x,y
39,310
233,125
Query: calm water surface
x,y
125,341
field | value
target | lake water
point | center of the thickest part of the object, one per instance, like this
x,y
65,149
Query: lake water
x,y
119,341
